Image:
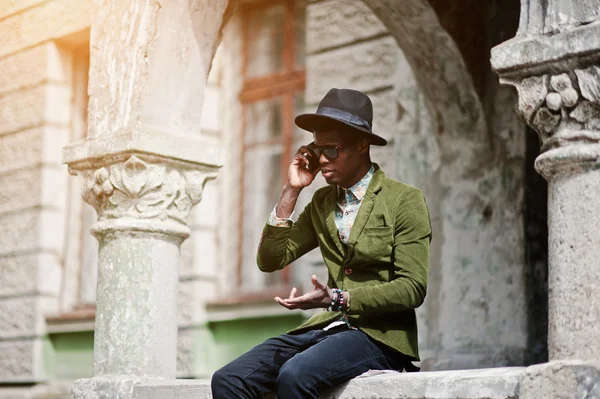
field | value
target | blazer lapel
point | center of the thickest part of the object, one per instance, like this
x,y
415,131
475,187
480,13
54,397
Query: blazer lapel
x,y
366,207
330,221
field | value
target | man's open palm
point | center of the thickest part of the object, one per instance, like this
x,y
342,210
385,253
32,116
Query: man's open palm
x,y
319,297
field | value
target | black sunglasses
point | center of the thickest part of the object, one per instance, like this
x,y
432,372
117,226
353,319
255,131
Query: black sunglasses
x,y
330,151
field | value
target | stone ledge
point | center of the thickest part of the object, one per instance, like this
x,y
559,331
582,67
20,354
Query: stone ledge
x,y
524,54
498,383
190,150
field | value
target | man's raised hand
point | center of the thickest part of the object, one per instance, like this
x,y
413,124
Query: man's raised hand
x,y
299,175
319,297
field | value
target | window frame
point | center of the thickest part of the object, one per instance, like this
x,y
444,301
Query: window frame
x,y
285,84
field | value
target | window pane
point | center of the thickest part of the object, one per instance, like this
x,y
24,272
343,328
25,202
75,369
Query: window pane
x,y
300,33
263,121
300,108
262,187
265,40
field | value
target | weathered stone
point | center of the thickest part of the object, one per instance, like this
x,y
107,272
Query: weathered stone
x,y
27,68
205,215
32,107
335,23
51,20
193,295
573,254
114,387
183,389
19,231
29,274
569,159
22,189
538,18
561,379
163,83
21,317
499,383
33,147
206,262
149,142
370,65
50,390
9,7
195,352
33,187
529,51
21,361
444,79
21,149
17,274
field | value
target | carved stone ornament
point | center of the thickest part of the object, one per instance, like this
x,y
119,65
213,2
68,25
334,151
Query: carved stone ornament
x,y
564,109
141,189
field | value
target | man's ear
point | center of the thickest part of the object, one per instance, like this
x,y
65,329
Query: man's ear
x,y
363,146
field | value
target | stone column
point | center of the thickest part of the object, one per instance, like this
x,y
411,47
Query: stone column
x,y
144,166
554,63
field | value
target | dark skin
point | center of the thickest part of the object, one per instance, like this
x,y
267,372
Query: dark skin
x,y
351,165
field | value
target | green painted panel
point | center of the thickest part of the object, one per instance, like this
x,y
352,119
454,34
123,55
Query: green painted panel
x,y
235,337
73,355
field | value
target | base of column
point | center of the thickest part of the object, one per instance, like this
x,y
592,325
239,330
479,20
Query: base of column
x,y
561,379
114,387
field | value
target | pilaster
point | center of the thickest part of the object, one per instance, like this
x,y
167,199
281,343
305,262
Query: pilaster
x,y
554,65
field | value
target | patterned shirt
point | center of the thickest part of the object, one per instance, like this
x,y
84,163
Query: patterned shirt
x,y
349,200
348,204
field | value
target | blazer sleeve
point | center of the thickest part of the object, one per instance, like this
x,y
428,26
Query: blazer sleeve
x,y
280,246
407,289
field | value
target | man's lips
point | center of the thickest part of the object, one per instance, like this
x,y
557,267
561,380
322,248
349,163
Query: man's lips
x,y
326,172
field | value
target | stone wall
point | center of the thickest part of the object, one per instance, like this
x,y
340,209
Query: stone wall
x,y
474,314
35,122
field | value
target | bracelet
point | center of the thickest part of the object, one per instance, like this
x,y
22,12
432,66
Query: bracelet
x,y
337,301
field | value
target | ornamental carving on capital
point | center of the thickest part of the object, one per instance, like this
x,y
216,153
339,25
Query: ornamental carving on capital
x,y
141,189
564,108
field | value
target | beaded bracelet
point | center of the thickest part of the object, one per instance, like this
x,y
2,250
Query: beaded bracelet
x,y
337,300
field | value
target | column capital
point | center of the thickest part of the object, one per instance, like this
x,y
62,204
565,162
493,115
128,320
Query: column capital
x,y
137,192
564,109
557,78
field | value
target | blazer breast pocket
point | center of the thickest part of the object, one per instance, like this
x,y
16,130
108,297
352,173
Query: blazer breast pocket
x,y
375,244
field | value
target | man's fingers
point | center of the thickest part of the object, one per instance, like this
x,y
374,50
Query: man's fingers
x,y
301,299
318,284
293,293
284,303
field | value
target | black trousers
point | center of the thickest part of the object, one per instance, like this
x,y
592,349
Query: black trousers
x,y
302,365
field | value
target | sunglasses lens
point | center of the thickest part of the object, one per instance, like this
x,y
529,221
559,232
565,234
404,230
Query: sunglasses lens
x,y
330,153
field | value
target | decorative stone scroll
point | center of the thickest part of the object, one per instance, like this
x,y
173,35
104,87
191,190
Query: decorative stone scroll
x,y
564,108
139,189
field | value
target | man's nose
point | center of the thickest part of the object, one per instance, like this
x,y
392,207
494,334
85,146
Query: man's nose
x,y
323,160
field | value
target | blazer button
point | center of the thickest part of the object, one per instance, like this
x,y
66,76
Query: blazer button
x,y
347,271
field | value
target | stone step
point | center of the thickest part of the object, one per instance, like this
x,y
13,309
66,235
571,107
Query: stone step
x,y
495,383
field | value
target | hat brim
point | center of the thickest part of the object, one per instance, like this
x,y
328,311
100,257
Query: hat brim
x,y
312,122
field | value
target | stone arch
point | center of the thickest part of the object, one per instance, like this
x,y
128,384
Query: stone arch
x,y
479,179
442,75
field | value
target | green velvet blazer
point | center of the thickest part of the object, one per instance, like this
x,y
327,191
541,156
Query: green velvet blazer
x,y
384,266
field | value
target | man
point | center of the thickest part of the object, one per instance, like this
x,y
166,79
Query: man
x,y
373,233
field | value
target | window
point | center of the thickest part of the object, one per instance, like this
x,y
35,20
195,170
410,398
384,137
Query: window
x,y
272,94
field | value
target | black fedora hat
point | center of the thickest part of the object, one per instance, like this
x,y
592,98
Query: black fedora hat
x,y
350,109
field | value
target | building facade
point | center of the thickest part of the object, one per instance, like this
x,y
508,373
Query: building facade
x,y
453,130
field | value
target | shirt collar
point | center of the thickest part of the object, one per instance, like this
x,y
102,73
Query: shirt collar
x,y
360,188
